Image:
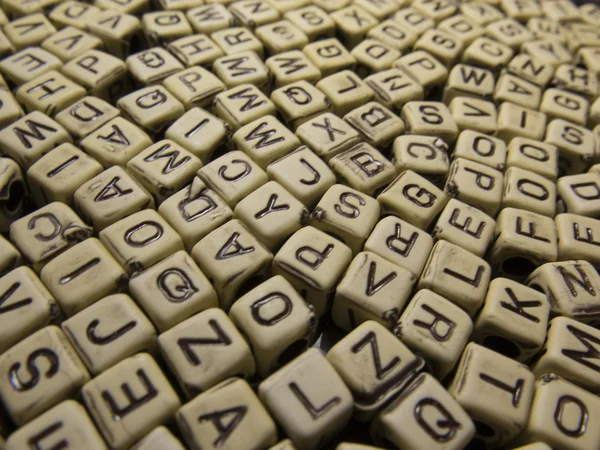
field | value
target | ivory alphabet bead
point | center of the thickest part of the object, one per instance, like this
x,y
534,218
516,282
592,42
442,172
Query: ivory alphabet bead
x,y
328,135
462,28
346,91
10,110
140,240
403,421
121,33
243,68
72,14
313,262
572,288
195,50
152,108
47,232
313,21
475,184
194,86
233,176
299,102
133,7
436,329
400,243
233,259
277,322
329,56
413,198
562,11
376,378
265,140
487,53
353,22
442,45
509,32
465,226
103,75
393,35
518,121
82,275
523,241
210,18
159,439
456,274
26,397
30,137
204,350
363,168
27,64
376,123
10,257
49,93
70,42
65,424
28,31
437,12
481,12
507,387
474,114
468,81
544,28
561,104
281,36
530,191
424,68
172,290
511,88
290,67
577,237
579,194
109,197
164,26
228,416
566,350
575,145
86,116
122,417
27,306
306,176
547,52
241,105
237,40
513,320
164,168
109,331
479,147
13,190
271,214
538,157
530,68
347,214
199,132
373,55
413,20
252,15
308,399
381,10
394,88
430,119
372,289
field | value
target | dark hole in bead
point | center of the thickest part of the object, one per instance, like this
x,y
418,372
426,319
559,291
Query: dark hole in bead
x,y
249,284
16,194
484,430
518,266
137,44
293,350
502,345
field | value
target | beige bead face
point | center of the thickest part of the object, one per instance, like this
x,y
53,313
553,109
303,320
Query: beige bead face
x,y
329,56
231,257
229,416
313,262
10,257
27,64
481,13
538,157
561,104
425,155
430,119
115,142
281,36
65,424
195,86
518,121
579,194
563,415
299,102
462,28
577,237
487,53
49,93
495,391
195,50
401,243
10,110
165,26
525,66
511,88
265,140
124,418
482,148
373,56
313,21
577,79
527,190
353,23
29,138
372,289
346,91
413,20
27,396
468,81
27,306
404,421
393,35
86,116
277,322
347,214
441,44
575,145
513,320
72,14
413,198
109,197
435,328
374,365
141,240
308,399
290,67
210,18
28,31
394,88
376,123
241,105
119,32
237,40
474,114
159,439
246,14
204,350
82,275
571,287
172,290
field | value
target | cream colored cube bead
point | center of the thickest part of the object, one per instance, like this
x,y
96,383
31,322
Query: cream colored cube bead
x,y
530,68
26,397
353,22
299,102
577,237
513,320
481,148
329,56
129,6
377,124
511,88
109,331
70,42
72,14
530,191
474,114
313,21
281,36
86,116
509,32
577,79
430,119
109,197
424,155
28,31
251,15
122,423
442,45
413,20
328,135
579,194
487,53
204,350
518,121
49,93
290,67
234,40
308,399
373,56
539,157
161,27
424,68
346,91
195,86
228,416
544,28
481,12
560,104
121,33
468,81
243,68
548,52
82,275
195,50
241,105
394,88
210,18
27,64
10,257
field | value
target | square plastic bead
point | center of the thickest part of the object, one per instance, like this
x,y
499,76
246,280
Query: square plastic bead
x,y
373,55
237,40
575,145
195,50
474,114
462,28
328,135
577,237
469,81
560,104
109,331
82,275
394,88
165,26
445,47
195,86
210,18
528,190
70,42
509,32
346,91
86,116
129,6
530,154
481,148
281,36
518,121
487,53
299,102
392,34
413,20
377,124
481,12
251,15
290,67
353,23
425,155
27,64
329,56
122,423
435,11
49,93
430,119
576,79
28,31
241,105
243,68
510,88
313,21
531,69
121,33
72,14
579,194
423,67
